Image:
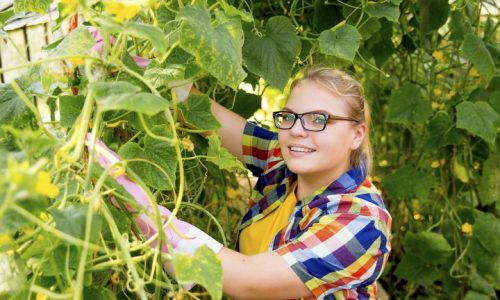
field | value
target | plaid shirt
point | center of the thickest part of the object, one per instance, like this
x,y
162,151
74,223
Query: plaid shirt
x,y
338,239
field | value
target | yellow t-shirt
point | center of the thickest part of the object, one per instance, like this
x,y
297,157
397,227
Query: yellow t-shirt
x,y
256,237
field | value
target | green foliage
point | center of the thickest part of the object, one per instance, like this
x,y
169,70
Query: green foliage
x,y
430,73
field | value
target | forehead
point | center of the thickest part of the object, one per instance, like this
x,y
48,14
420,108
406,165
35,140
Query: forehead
x,y
312,96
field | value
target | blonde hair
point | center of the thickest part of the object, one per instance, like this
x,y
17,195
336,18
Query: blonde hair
x,y
349,89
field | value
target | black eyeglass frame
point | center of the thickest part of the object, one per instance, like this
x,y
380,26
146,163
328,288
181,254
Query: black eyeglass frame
x,y
299,116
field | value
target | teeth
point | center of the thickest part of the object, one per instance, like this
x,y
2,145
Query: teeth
x,y
300,149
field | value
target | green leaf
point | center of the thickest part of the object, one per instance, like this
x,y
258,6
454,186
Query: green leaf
x,y
204,268
244,104
38,6
215,45
428,244
408,105
4,16
77,42
383,10
235,12
221,157
340,42
197,112
487,263
158,162
489,189
12,274
120,95
72,220
480,284
479,119
98,292
474,295
415,270
397,184
441,132
70,108
272,53
485,228
459,27
11,105
149,32
475,50
61,260
159,75
432,14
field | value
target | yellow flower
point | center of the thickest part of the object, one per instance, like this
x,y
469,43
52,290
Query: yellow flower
x,y
44,186
187,144
383,163
69,6
77,60
115,278
467,228
123,10
40,296
5,239
473,72
418,217
231,193
438,55
437,92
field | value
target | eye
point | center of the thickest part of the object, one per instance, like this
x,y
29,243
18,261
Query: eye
x,y
288,116
319,119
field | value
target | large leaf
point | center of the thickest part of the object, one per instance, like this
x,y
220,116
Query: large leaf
x,y
77,42
204,268
340,42
408,183
12,274
425,245
72,220
408,105
70,108
121,95
159,75
11,105
441,132
215,45
383,10
158,160
487,263
486,228
197,112
489,187
432,14
221,157
475,50
479,119
415,270
145,31
271,54
459,26
38,6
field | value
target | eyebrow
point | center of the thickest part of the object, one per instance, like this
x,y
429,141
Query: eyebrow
x,y
312,111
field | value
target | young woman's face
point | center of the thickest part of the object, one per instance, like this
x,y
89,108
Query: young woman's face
x,y
325,155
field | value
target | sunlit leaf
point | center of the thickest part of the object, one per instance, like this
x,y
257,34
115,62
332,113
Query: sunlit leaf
x,y
222,157
12,274
38,6
383,10
197,112
158,160
475,50
159,75
271,53
479,119
408,105
77,42
216,45
204,268
340,42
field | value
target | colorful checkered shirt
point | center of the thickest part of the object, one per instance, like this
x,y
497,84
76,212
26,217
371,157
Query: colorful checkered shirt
x,y
338,239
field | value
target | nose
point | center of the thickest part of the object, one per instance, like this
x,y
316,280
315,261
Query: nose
x,y
298,129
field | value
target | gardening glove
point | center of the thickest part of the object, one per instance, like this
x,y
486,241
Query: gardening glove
x,y
184,237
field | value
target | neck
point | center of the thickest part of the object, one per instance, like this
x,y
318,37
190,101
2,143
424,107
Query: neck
x,y
307,184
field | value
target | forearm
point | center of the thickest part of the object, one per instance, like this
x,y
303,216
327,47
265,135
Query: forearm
x,y
262,276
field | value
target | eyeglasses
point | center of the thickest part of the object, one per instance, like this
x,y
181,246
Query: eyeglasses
x,y
311,121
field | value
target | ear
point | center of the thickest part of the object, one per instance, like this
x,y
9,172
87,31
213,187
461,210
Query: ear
x,y
359,135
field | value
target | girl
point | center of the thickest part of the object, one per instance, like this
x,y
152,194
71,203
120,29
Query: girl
x,y
316,226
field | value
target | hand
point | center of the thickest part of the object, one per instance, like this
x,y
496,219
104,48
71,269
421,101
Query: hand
x,y
181,88
175,232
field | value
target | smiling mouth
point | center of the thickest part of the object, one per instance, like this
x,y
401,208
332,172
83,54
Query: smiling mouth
x,y
301,149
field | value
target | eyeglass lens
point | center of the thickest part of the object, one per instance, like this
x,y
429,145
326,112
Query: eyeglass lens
x,y
310,121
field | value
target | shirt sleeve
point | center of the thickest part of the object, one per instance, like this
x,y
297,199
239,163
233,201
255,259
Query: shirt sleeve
x,y
338,252
260,148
